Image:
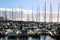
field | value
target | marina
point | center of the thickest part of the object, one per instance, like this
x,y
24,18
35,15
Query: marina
x,y
40,23
20,31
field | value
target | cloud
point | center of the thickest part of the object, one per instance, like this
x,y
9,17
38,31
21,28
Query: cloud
x,y
16,9
25,12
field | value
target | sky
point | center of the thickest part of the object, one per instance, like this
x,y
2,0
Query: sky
x,y
29,4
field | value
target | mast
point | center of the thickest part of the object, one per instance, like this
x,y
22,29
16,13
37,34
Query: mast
x,y
22,14
50,19
2,14
15,13
19,13
27,15
37,14
6,14
45,13
58,15
12,13
32,13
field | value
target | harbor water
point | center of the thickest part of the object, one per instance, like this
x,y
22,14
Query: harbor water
x,y
30,38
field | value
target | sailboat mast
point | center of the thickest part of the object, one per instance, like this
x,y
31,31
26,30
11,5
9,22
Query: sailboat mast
x,y
6,14
45,13
32,13
58,14
37,14
50,19
22,14
27,15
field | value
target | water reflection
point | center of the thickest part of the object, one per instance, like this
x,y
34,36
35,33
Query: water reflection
x,y
36,38
41,38
12,38
29,38
22,38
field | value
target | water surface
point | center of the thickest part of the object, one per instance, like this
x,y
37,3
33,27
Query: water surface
x,y
30,38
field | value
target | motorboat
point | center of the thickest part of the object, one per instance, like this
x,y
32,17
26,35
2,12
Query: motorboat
x,y
10,33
